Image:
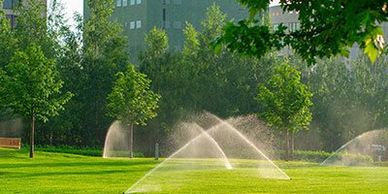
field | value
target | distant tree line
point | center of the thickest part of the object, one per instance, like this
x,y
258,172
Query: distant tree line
x,y
92,78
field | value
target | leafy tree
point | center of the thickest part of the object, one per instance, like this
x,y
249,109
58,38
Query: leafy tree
x,y
285,101
326,28
349,99
191,44
131,100
8,42
104,53
33,87
163,67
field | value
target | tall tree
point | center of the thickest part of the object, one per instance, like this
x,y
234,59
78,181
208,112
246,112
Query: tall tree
x,y
132,101
8,42
285,102
104,54
33,87
349,98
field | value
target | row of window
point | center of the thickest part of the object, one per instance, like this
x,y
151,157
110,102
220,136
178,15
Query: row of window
x,y
124,3
134,24
176,24
138,24
278,13
9,4
292,26
176,2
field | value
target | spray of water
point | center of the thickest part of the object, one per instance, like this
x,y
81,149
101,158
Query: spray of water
x,y
185,161
116,141
277,174
360,150
201,135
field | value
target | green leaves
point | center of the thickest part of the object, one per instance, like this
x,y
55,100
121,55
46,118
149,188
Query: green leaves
x,y
131,99
32,85
285,100
255,6
327,28
374,44
251,38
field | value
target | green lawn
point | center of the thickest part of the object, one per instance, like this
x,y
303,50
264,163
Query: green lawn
x,y
66,173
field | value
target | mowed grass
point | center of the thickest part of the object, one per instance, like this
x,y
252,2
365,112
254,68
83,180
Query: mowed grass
x,y
66,173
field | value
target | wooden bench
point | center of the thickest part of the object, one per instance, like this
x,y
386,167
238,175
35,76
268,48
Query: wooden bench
x,y
6,142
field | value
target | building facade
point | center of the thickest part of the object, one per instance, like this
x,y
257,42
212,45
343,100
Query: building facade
x,y
138,17
288,19
8,7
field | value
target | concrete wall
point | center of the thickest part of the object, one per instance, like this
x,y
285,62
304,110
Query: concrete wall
x,y
168,14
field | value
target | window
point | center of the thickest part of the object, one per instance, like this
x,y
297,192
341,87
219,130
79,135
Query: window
x,y
165,2
118,3
138,24
125,3
132,25
132,2
164,14
7,4
177,25
166,24
138,2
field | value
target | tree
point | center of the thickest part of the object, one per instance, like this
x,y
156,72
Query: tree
x,y
8,42
104,53
131,100
349,98
33,87
285,102
327,28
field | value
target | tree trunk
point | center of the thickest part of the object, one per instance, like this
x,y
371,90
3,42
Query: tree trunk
x,y
292,145
287,145
130,142
32,137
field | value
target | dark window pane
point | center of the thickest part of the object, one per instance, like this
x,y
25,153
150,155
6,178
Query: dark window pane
x,y
8,4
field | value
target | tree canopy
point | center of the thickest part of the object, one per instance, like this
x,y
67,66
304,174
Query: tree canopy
x,y
285,100
327,28
131,100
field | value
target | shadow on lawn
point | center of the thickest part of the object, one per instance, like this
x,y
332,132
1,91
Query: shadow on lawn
x,y
87,163
71,173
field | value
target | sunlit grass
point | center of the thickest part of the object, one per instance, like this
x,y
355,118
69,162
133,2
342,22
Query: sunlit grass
x,y
66,173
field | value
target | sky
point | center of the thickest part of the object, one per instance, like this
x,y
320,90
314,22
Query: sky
x,y
72,6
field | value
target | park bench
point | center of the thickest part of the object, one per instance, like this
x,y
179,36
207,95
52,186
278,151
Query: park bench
x,y
7,142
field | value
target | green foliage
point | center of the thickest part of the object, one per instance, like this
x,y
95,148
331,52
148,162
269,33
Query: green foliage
x,y
8,42
311,156
191,45
85,151
349,98
131,100
32,85
89,69
285,100
156,42
326,29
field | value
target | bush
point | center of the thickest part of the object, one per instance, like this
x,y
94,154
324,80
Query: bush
x,y
310,156
71,150
78,151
